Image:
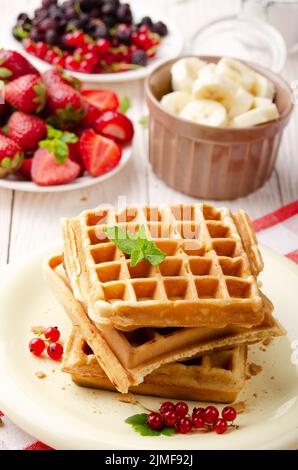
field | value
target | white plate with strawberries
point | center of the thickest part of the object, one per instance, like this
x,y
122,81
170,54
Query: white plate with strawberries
x,y
55,136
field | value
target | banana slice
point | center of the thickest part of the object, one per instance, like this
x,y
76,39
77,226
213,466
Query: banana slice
x,y
176,101
256,116
206,112
208,70
215,87
263,87
259,102
241,103
184,72
236,71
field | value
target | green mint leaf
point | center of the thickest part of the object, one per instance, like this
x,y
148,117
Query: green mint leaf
x,y
137,246
136,256
125,104
144,430
168,431
139,418
69,138
121,238
5,73
144,121
153,254
141,233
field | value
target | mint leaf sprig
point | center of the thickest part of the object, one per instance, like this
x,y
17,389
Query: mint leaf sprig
x,y
139,424
137,246
57,143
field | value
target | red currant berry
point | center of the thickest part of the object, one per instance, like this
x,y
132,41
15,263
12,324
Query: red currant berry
x,y
55,351
220,426
52,333
155,421
59,61
181,409
211,414
184,425
170,418
229,413
199,412
30,46
41,49
197,422
103,45
37,346
166,406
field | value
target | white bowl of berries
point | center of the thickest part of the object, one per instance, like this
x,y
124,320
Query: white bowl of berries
x,y
54,136
96,40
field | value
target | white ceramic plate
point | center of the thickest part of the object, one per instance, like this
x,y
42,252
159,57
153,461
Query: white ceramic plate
x,y
14,182
66,416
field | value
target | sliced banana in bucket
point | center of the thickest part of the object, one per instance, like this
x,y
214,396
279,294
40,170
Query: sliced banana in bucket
x,y
229,93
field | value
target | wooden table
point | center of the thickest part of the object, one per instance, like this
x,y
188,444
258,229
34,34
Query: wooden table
x,y
30,221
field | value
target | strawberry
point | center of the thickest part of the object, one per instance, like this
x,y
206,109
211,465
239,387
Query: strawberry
x,y
14,65
26,167
99,154
11,156
4,111
26,93
65,105
92,114
115,125
105,100
75,155
26,130
57,75
46,171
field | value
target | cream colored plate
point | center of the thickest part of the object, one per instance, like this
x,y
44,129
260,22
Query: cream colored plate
x,y
65,416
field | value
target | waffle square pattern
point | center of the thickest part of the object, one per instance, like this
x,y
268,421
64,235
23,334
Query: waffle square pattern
x,y
208,277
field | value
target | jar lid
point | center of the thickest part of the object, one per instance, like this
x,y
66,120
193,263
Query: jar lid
x,y
244,38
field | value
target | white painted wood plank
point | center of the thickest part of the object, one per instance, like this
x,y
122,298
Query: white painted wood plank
x,y
6,200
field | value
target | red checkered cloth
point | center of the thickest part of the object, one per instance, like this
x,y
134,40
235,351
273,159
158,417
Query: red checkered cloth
x,y
278,230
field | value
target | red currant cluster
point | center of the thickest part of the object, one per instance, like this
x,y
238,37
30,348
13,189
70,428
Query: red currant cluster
x,y
171,415
50,339
95,56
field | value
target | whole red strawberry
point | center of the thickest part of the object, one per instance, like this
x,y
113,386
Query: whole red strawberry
x,y
27,93
26,130
11,156
65,105
14,65
26,167
57,75
46,171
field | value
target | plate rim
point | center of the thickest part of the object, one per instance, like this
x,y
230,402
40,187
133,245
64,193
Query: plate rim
x,y
30,187
24,420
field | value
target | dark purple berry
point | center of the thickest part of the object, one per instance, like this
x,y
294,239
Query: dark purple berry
x,y
160,28
124,14
146,21
139,58
51,37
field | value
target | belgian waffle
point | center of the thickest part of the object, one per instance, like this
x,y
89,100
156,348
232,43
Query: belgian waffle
x,y
127,357
208,277
217,377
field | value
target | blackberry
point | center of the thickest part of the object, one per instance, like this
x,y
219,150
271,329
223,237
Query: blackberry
x,y
48,3
51,37
101,32
70,13
35,35
109,20
160,28
139,58
146,21
124,14
108,9
47,24
123,34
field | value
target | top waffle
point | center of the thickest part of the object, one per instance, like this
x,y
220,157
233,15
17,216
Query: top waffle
x,y
208,277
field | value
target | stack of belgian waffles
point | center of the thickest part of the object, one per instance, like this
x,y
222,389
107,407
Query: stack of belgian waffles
x,y
179,329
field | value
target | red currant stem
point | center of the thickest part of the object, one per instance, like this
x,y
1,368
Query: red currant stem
x,y
143,407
